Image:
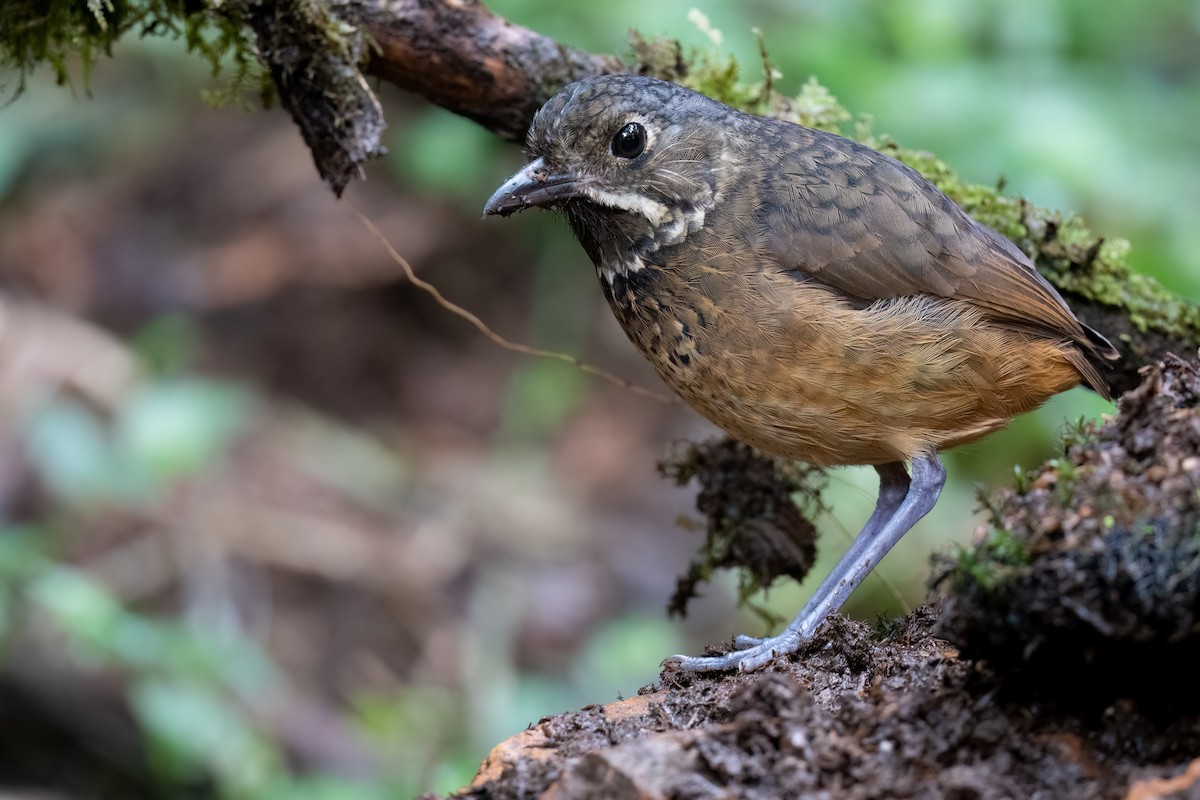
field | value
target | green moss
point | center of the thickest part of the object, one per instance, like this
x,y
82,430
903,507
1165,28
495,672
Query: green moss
x,y
816,107
970,565
1020,480
709,72
1066,475
1079,432
884,627
714,73
989,564
1006,548
306,53
59,33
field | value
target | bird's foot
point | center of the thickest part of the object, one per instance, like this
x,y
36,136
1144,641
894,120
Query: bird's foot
x,y
750,654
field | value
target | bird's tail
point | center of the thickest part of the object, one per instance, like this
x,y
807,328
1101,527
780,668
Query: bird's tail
x,y
1094,354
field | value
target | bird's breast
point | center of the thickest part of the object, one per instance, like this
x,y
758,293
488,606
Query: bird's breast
x,y
668,321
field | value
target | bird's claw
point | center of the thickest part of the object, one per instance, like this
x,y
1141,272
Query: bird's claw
x,y
750,654
744,642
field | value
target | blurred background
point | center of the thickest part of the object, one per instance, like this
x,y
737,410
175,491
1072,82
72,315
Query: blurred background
x,y
274,524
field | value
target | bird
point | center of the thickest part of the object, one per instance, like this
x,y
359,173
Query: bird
x,y
813,297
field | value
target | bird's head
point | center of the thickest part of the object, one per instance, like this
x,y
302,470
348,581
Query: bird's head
x,y
635,152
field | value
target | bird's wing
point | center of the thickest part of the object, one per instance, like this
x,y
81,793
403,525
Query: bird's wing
x,y
873,228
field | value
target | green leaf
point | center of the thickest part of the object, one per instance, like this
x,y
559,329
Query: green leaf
x,y
85,611
22,552
71,452
194,729
167,344
169,430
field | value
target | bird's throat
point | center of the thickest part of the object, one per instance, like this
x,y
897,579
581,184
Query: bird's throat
x,y
622,243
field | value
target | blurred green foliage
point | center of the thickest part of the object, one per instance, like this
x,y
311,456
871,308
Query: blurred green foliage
x,y
197,692
184,685
167,430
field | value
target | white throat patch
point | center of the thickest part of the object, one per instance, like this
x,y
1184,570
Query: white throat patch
x,y
634,203
673,226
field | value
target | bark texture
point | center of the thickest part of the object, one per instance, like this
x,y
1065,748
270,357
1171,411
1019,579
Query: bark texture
x,y
461,56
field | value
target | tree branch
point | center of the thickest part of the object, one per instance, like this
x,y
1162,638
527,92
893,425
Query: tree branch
x,y
461,56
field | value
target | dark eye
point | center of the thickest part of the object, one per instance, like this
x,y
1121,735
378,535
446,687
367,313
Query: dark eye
x,y
630,141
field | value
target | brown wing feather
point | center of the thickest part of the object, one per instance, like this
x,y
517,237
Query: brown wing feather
x,y
873,228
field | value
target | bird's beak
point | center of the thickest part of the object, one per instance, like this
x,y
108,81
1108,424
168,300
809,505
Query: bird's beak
x,y
533,185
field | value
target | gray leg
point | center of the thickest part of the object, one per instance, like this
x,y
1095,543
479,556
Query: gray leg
x,y
893,487
901,504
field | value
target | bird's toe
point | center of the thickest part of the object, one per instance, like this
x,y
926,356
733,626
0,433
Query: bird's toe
x,y
751,654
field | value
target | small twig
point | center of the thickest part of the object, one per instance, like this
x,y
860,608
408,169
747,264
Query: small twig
x,y
482,327
768,69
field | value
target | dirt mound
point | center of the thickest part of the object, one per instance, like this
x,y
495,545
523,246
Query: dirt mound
x,y
853,717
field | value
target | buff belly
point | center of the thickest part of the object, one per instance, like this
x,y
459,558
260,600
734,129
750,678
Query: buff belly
x,y
830,384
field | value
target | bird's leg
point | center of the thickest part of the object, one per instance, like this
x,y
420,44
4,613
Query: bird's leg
x,y
893,486
902,502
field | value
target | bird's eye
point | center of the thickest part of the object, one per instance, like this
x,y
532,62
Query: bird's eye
x,y
630,141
